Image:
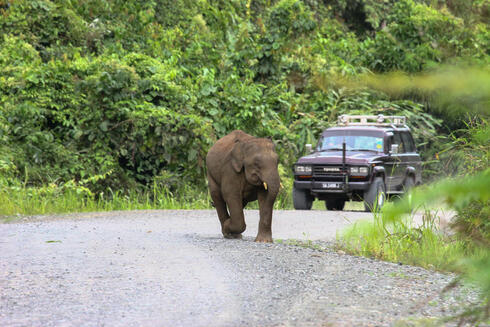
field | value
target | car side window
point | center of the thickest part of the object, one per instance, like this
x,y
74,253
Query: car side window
x,y
319,144
408,142
398,140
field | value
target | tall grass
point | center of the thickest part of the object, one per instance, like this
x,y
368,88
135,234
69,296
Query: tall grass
x,y
404,241
21,200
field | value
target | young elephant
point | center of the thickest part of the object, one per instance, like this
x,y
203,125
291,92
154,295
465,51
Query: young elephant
x,y
242,168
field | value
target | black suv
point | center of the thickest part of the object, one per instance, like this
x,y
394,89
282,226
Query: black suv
x,y
364,158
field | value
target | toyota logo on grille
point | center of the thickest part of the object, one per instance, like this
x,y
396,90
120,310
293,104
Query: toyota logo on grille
x,y
331,169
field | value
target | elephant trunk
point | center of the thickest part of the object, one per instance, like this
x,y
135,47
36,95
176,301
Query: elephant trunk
x,y
271,183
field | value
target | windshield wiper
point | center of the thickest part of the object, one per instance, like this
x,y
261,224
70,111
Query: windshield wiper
x,y
370,150
331,149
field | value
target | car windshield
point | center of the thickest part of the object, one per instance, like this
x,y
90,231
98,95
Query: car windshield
x,y
352,143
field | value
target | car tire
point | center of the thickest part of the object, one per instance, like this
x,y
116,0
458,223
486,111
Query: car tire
x,y
375,196
302,199
335,204
408,184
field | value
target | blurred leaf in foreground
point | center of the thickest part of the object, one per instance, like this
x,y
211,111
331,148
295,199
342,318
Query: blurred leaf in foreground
x,y
455,89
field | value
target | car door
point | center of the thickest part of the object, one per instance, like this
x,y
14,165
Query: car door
x,y
411,160
394,166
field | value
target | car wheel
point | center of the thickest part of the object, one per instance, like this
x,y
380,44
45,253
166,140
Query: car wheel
x,y
375,196
335,204
408,184
302,199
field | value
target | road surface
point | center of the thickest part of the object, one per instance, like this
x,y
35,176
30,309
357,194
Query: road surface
x,y
173,268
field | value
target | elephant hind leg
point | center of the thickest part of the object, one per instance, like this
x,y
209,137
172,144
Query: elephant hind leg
x,y
250,197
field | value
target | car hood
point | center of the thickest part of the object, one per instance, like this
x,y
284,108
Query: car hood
x,y
335,157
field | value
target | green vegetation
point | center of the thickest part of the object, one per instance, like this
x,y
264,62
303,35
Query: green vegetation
x,y
403,242
136,92
22,200
113,104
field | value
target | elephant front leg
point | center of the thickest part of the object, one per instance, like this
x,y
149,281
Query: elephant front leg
x,y
235,225
266,203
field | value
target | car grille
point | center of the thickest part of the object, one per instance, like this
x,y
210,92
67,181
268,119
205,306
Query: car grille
x,y
327,170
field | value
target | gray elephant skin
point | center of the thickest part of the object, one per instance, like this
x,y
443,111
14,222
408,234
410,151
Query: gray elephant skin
x,y
240,169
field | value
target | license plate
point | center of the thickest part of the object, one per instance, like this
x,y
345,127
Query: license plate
x,y
330,185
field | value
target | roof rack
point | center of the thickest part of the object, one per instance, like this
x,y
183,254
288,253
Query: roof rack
x,y
367,120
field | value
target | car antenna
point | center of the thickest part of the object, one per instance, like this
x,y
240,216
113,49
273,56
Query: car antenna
x,y
344,169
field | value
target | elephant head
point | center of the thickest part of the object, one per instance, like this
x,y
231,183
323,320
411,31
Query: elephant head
x,y
258,159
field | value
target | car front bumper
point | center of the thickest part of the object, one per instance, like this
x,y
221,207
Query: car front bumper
x,y
332,187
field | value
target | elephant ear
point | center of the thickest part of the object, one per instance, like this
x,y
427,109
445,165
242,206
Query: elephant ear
x,y
237,157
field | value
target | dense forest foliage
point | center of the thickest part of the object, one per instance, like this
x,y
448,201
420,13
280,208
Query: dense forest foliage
x,y
126,94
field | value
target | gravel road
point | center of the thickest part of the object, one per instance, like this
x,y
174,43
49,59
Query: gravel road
x,y
173,268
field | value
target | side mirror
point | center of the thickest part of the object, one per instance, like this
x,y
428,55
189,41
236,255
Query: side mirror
x,y
394,149
308,148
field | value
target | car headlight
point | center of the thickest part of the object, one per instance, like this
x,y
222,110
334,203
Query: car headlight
x,y
359,171
300,169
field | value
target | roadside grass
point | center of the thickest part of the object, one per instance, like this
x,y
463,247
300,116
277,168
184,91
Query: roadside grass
x,y
405,242
19,201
